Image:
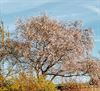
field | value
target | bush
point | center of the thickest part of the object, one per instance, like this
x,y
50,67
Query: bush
x,y
43,85
28,83
3,84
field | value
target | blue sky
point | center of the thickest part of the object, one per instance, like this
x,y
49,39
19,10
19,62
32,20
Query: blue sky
x,y
86,10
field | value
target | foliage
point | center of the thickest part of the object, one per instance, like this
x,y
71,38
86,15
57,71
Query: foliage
x,y
3,84
27,83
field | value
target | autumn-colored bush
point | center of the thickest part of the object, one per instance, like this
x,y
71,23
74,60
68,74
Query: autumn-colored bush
x,y
3,84
27,83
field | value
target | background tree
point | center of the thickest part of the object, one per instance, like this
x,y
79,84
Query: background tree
x,y
6,63
92,67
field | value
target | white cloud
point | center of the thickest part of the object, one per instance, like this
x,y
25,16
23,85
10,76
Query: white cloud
x,y
94,9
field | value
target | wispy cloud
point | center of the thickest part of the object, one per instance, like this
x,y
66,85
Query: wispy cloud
x,y
94,9
12,6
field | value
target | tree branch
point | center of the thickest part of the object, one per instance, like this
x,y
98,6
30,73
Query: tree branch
x,y
70,75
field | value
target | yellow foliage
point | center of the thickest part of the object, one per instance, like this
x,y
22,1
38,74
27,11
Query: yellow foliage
x,y
2,84
44,85
29,83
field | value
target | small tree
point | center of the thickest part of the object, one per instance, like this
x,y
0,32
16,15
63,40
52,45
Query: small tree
x,y
3,43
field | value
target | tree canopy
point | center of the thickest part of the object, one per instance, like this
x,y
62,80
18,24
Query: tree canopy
x,y
45,46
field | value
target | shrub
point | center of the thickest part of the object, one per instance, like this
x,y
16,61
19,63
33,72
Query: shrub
x,y
3,85
29,83
26,83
